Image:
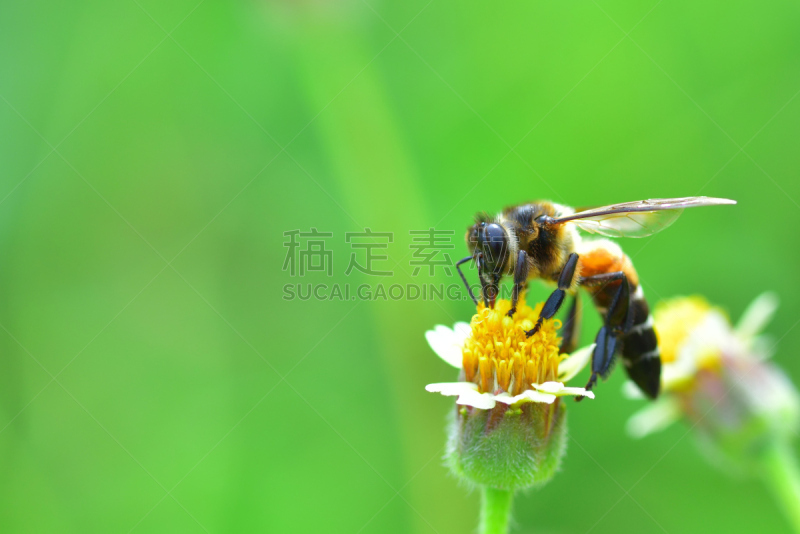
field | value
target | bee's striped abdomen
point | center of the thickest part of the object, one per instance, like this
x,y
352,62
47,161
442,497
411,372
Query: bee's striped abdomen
x,y
639,345
640,353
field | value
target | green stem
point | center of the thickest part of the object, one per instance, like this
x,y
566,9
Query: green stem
x,y
782,475
495,511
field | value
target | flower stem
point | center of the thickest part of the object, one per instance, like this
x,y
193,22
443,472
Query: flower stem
x,y
495,511
782,475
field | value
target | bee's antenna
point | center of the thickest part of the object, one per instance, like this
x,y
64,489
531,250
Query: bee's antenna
x,y
464,278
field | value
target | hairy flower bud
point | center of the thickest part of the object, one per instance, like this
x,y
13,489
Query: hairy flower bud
x,y
508,447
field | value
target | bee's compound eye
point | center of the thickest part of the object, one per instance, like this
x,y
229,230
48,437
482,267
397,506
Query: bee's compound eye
x,y
494,244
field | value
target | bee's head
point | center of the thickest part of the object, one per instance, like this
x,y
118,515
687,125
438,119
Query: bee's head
x,y
489,245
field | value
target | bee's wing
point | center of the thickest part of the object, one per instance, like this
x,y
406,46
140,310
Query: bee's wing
x,y
636,219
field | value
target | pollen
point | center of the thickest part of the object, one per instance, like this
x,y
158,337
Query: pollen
x,y
675,320
499,357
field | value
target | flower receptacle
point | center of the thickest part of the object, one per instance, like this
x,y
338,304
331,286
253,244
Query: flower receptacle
x,y
508,447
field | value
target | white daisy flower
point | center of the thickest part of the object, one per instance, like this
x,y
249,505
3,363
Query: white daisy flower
x,y
708,367
500,364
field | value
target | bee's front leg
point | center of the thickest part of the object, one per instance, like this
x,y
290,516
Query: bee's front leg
x,y
520,278
556,298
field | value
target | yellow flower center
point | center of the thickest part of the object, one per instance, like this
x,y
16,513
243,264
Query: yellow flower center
x,y
498,356
674,321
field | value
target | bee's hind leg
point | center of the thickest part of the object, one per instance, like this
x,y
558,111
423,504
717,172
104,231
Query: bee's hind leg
x,y
572,326
556,298
616,322
520,279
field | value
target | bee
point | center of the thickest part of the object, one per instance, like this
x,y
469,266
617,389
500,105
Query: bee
x,y
541,240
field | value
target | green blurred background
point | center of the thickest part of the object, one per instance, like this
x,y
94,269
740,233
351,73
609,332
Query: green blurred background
x,y
152,154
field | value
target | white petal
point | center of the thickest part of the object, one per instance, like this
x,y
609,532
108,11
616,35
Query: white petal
x,y
782,397
713,334
763,347
559,390
467,393
462,331
574,363
632,391
484,401
674,374
757,315
529,395
582,392
505,398
447,344
549,387
713,331
656,416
